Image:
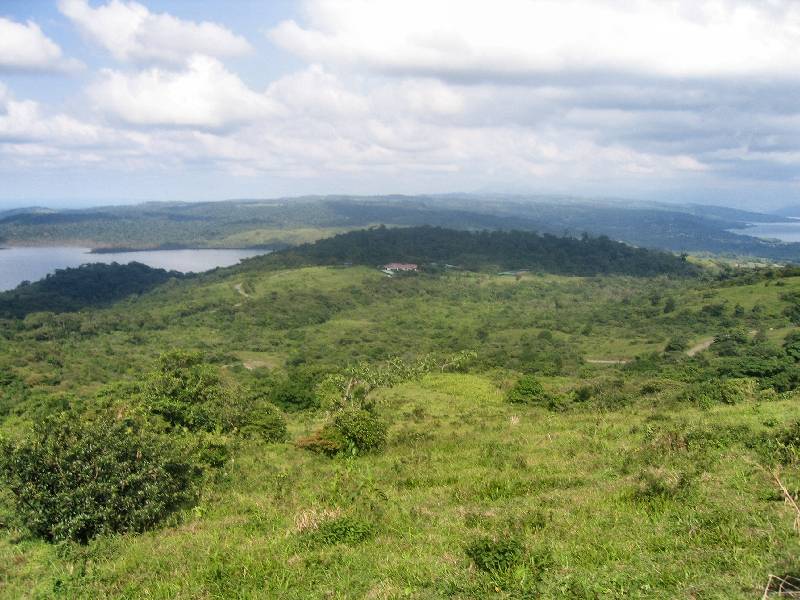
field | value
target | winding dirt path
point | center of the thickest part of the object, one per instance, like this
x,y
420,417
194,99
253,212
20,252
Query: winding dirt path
x,y
700,346
239,287
608,361
706,342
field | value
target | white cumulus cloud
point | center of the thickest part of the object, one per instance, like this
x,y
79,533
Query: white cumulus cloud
x,y
512,39
25,47
132,33
203,95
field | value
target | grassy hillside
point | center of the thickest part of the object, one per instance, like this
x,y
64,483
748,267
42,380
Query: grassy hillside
x,y
645,475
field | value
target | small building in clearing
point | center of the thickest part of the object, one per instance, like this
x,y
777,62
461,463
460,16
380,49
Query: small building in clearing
x,y
399,267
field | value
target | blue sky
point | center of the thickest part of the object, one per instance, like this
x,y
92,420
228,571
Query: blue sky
x,y
107,101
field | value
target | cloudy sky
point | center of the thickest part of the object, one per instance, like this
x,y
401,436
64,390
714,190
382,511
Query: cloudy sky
x,y
115,100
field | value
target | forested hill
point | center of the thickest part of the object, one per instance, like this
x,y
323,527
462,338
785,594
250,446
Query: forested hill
x,y
75,288
483,250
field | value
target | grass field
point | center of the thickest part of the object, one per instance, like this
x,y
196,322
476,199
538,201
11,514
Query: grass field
x,y
635,491
461,464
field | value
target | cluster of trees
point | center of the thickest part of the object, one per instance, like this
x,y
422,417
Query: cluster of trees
x,y
85,286
485,249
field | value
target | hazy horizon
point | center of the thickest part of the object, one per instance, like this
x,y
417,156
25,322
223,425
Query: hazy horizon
x,y
72,204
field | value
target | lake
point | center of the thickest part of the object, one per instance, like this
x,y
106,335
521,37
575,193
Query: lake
x,y
30,264
786,232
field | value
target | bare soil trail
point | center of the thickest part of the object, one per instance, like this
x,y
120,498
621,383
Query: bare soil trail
x,y
608,361
239,287
706,342
700,346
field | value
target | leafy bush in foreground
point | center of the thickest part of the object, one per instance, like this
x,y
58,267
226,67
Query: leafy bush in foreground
x,y
74,480
782,446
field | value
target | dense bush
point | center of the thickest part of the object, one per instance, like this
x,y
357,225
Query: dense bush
x,y
267,422
74,480
791,345
494,555
719,391
362,431
677,344
351,430
783,446
186,392
12,392
528,390
296,391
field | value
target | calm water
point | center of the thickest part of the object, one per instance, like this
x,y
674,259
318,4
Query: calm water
x,y
786,232
21,264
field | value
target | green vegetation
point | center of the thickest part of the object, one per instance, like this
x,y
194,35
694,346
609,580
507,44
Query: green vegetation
x,y
527,390
482,250
445,434
75,479
91,285
289,221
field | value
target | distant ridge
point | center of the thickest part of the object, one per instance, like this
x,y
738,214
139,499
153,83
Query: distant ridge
x,y
277,222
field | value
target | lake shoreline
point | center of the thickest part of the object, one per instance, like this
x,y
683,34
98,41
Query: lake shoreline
x,y
32,263
785,232
170,248
93,249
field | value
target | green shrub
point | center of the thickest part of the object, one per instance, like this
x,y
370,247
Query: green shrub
x,y
582,393
351,430
718,391
782,446
362,431
267,422
186,392
677,344
791,345
655,483
492,555
296,392
74,480
528,390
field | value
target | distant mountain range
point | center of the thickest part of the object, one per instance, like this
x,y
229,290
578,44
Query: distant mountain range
x,y
280,222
